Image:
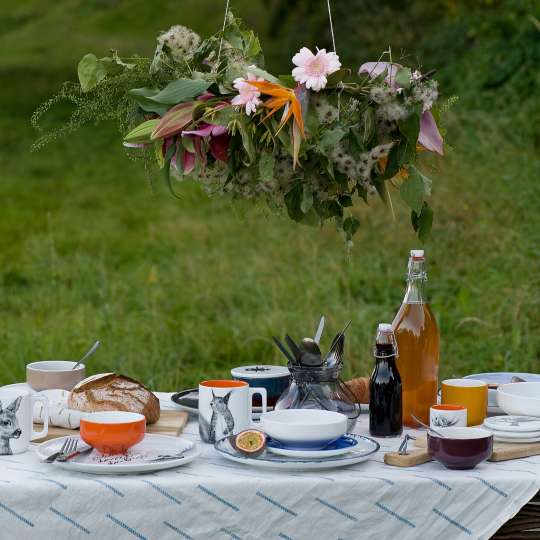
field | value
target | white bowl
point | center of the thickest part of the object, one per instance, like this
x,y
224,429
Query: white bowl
x,y
304,428
54,375
520,398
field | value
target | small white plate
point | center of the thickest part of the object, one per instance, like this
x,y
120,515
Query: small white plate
x,y
343,445
137,460
500,438
508,423
365,448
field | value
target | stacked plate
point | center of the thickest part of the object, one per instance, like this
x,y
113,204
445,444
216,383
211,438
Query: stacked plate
x,y
514,429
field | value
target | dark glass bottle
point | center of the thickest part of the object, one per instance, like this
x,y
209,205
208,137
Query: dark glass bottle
x,y
385,399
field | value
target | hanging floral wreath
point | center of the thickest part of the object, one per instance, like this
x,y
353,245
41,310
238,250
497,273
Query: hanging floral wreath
x,y
314,142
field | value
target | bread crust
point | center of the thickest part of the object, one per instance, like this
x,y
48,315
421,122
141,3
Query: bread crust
x,y
114,392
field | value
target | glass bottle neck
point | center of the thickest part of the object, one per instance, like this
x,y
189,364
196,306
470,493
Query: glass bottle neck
x,y
416,283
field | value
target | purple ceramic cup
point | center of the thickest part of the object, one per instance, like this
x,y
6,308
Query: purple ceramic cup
x,y
461,447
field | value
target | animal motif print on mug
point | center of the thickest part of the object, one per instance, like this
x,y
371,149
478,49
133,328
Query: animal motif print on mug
x,y
9,425
16,426
225,408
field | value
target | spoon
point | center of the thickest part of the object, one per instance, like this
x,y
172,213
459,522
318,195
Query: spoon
x,y
438,433
89,353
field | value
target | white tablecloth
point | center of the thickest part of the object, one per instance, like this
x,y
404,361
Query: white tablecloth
x,y
214,499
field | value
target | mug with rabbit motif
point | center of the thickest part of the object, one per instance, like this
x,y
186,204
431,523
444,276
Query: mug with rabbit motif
x,y
16,420
225,408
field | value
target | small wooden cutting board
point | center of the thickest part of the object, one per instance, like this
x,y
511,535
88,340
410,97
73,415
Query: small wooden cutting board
x,y
169,423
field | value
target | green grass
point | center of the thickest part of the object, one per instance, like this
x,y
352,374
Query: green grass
x,y
180,290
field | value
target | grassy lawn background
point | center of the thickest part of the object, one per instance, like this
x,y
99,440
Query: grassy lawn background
x,y
180,290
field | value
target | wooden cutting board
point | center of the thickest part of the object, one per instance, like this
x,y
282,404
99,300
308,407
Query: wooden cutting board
x,y
501,452
169,423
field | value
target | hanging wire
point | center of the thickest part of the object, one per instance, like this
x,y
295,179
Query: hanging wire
x,y
331,24
223,30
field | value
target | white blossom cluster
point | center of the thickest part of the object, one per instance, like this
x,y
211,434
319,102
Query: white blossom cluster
x,y
368,159
426,94
179,42
382,94
325,112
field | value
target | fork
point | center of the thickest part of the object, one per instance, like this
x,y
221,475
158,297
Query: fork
x,y
68,447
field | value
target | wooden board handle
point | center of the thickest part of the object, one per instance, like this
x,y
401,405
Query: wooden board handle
x,y
412,458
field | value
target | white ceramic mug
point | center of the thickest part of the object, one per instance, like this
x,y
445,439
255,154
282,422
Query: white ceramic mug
x,y
225,408
447,416
16,420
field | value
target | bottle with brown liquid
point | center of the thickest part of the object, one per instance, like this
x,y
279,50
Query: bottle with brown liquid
x,y
417,339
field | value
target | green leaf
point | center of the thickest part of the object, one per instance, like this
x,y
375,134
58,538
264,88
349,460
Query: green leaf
x,y
142,133
142,97
337,77
422,222
350,226
428,182
412,192
307,199
345,201
180,90
403,77
293,201
247,142
410,127
266,167
91,72
254,70
330,138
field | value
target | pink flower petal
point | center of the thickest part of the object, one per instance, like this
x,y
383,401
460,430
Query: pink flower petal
x,y
219,146
204,130
188,161
206,96
429,136
374,69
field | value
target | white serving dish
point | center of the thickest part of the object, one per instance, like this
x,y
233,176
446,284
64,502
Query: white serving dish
x,y
304,428
343,445
138,458
520,398
513,424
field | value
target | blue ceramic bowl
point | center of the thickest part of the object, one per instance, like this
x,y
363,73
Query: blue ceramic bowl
x,y
274,378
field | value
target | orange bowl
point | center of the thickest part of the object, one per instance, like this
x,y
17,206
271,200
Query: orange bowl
x,y
112,432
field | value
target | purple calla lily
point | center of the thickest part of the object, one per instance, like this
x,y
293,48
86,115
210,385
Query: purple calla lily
x,y
429,136
218,143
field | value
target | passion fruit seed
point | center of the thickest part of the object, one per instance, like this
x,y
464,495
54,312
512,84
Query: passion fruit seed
x,y
250,441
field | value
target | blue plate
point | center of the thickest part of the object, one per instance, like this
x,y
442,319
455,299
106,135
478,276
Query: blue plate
x,y
344,444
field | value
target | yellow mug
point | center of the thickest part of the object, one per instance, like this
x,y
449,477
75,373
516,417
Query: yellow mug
x,y
469,393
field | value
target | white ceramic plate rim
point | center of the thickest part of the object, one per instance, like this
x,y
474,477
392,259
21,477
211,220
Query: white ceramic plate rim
x,y
290,452
294,464
124,468
499,438
505,427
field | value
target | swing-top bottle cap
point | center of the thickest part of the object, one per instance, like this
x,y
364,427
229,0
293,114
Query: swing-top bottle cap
x,y
385,328
417,254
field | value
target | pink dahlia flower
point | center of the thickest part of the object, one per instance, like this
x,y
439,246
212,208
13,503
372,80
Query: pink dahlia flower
x,y
313,69
248,96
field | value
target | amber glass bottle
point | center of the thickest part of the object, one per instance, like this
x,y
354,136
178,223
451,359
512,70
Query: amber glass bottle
x,y
417,339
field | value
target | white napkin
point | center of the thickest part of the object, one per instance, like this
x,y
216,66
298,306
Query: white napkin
x,y
59,414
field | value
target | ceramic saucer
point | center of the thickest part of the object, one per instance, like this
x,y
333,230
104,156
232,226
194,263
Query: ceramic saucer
x,y
341,446
515,424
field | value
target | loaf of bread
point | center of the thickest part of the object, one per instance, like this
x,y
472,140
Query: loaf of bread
x,y
113,392
360,389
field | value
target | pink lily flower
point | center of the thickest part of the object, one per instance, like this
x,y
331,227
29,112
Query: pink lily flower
x,y
218,142
429,136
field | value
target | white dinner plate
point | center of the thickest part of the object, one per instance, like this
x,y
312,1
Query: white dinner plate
x,y
362,451
514,424
342,446
137,460
500,438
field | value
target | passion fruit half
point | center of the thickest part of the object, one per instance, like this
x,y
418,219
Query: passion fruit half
x,y
250,442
